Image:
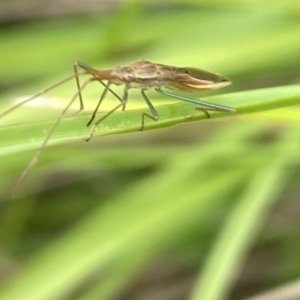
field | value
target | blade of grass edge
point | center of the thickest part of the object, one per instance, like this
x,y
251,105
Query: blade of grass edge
x,y
228,253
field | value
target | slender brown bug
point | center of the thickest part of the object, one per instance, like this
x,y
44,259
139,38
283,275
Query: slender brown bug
x,y
142,75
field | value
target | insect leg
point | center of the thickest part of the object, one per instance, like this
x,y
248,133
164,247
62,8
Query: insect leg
x,y
39,151
87,69
154,116
99,102
81,107
112,92
205,110
122,104
208,105
91,71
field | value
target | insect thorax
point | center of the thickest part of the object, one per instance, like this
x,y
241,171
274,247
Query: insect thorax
x,y
141,75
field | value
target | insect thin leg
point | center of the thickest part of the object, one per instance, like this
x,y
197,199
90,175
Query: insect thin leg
x,y
78,88
107,88
122,104
205,111
210,106
154,116
39,151
112,92
81,100
99,103
75,66
92,71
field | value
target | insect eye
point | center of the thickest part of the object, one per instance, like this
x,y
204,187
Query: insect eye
x,y
185,71
128,77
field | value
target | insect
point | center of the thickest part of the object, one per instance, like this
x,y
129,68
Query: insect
x,y
142,75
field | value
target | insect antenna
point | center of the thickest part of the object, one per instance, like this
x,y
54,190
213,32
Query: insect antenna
x,y
39,94
39,151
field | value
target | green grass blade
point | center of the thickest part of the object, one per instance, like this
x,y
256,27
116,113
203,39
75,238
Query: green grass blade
x,y
223,264
19,137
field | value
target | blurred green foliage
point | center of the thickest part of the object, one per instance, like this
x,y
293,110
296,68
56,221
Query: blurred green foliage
x,y
215,199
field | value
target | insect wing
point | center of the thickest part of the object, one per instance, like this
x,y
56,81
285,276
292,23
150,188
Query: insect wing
x,y
192,79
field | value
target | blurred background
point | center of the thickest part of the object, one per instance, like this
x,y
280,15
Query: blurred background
x,y
199,210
